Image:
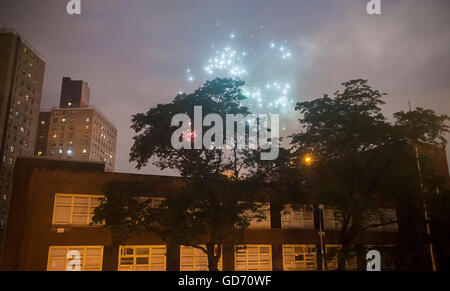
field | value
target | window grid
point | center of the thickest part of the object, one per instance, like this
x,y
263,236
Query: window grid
x,y
91,257
253,258
75,209
192,259
299,258
331,219
332,261
302,217
264,223
142,258
387,215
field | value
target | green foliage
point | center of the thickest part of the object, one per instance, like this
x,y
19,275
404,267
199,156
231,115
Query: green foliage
x,y
153,130
422,126
360,157
208,212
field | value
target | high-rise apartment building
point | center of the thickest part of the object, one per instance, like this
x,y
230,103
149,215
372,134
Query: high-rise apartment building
x,y
75,130
21,79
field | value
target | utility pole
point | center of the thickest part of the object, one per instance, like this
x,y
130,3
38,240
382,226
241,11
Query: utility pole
x,y
425,208
321,235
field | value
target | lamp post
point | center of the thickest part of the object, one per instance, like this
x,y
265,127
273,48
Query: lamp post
x,y
321,235
308,160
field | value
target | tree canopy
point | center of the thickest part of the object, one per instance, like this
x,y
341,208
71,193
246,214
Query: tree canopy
x,y
359,155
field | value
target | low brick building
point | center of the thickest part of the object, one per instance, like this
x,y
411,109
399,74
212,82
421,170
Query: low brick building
x,y
52,204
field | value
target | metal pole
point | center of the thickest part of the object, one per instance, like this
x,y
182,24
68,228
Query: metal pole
x,y
426,215
321,235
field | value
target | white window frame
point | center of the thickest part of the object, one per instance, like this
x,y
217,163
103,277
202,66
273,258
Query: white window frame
x,y
330,219
309,262
198,257
134,266
295,217
264,223
244,252
84,257
90,208
387,214
332,265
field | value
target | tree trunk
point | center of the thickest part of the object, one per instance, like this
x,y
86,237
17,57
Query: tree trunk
x,y
343,253
213,260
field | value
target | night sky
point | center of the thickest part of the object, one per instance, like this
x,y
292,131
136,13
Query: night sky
x,y
134,53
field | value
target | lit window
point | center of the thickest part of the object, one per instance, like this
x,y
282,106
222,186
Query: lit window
x,y
39,153
382,217
75,209
331,258
54,135
142,258
69,103
301,217
63,120
260,223
299,258
86,127
87,119
84,151
253,258
91,258
192,259
43,122
332,219
60,151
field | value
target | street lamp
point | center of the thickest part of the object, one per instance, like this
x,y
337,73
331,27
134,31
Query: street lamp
x,y
308,160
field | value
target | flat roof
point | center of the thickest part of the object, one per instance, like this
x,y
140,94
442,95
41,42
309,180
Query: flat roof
x,y
11,30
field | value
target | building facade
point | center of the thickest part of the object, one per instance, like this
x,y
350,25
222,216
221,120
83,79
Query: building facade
x,y
76,130
21,79
53,218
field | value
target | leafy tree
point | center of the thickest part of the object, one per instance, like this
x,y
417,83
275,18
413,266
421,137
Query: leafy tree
x,y
206,216
216,204
355,151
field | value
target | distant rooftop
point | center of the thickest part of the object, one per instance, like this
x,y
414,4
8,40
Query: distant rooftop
x,y
91,107
13,31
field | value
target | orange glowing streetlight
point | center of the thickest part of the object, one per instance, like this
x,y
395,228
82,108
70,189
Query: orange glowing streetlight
x,y
308,160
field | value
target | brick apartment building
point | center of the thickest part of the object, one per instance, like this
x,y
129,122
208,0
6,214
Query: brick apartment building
x,y
21,78
75,130
53,202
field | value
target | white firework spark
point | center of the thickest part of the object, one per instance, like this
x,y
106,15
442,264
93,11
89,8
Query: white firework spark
x,y
265,93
